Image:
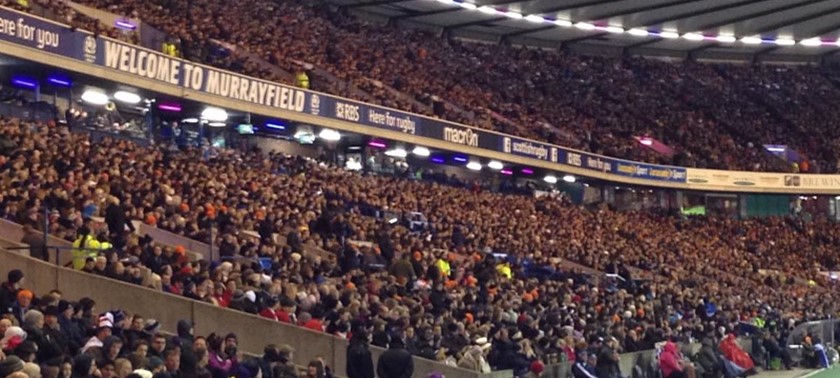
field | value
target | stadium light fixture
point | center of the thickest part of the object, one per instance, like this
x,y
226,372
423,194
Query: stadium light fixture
x,y
550,179
614,29
24,82
513,15
487,10
60,81
584,26
125,25
506,172
724,38
669,34
467,5
753,40
127,97
170,107
397,152
563,23
421,151
495,164
638,32
377,144
275,126
95,97
474,166
785,42
535,18
329,135
569,178
214,114
694,36
811,42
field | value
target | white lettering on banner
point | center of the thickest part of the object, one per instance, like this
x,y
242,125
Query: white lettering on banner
x,y
254,91
169,70
466,137
574,159
530,149
142,63
347,112
598,164
19,29
385,118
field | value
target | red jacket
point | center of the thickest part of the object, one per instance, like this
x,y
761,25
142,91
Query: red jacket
x,y
315,325
669,360
269,314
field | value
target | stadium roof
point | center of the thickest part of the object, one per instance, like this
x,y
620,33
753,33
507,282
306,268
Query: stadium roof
x,y
763,30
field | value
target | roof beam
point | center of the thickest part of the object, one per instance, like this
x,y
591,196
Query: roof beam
x,y
646,8
797,20
686,14
448,28
568,42
372,3
528,31
763,30
494,3
825,30
824,57
422,14
574,6
757,55
761,13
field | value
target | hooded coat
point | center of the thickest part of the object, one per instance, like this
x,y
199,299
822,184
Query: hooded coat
x,y
669,360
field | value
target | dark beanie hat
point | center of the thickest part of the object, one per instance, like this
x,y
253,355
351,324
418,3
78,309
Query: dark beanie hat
x,y
15,276
51,311
271,354
63,305
81,365
11,364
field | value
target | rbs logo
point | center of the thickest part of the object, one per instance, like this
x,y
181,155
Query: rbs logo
x,y
574,159
347,112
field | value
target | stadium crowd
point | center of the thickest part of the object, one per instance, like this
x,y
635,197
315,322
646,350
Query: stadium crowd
x,y
441,288
57,10
53,337
712,116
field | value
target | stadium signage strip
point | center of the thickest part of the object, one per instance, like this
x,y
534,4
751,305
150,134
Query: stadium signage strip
x,y
788,181
35,33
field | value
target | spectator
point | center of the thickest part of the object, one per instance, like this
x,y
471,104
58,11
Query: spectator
x,y
670,362
395,362
284,368
9,291
35,240
608,360
774,350
581,367
10,365
359,358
